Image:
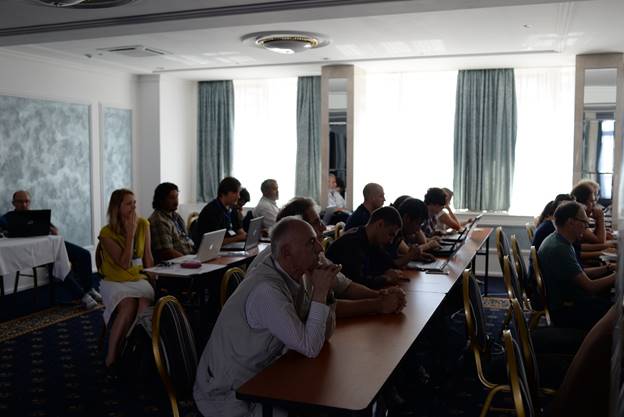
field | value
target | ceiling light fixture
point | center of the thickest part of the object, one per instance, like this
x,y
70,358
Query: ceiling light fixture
x,y
286,42
60,3
84,4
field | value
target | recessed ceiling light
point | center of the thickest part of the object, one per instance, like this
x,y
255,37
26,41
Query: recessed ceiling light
x,y
527,26
286,42
84,4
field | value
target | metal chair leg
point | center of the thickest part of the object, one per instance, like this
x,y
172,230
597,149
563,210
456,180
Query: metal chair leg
x,y
35,284
17,274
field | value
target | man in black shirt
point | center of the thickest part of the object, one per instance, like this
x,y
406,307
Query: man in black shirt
x,y
221,213
374,198
362,253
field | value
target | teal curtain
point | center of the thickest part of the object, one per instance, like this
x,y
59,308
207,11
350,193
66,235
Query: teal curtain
x,y
215,133
485,139
308,175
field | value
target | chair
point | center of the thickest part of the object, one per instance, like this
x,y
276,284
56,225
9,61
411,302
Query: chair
x,y
530,228
35,283
191,218
521,393
326,242
502,246
173,345
521,268
540,290
231,279
338,230
477,336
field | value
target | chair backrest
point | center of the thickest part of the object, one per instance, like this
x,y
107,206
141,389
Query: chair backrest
x,y
473,309
99,257
512,283
521,333
190,219
173,345
539,283
521,268
326,242
502,246
523,401
229,283
338,230
530,228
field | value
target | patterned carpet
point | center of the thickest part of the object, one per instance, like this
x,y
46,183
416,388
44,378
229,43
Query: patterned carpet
x,y
51,366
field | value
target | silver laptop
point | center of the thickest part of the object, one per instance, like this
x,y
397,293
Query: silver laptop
x,y
253,237
208,248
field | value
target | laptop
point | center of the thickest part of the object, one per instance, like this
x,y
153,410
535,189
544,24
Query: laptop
x,y
253,237
435,266
464,232
208,248
28,223
448,247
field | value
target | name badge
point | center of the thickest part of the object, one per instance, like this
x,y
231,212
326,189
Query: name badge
x,y
137,262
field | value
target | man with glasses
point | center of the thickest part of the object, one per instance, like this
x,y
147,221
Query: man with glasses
x,y
574,298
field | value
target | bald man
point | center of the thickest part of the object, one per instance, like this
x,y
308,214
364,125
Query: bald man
x,y
268,313
79,257
374,197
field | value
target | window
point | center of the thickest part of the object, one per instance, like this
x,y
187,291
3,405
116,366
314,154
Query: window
x,y
545,138
265,135
405,138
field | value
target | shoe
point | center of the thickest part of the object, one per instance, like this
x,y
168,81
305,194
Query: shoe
x,y
88,302
95,295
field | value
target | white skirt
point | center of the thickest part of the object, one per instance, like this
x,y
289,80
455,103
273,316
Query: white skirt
x,y
113,292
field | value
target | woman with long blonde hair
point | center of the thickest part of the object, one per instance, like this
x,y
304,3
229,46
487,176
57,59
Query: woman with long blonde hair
x,y
125,243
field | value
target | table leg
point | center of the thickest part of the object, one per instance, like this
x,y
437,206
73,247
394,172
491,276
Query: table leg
x,y
2,285
52,287
267,410
487,265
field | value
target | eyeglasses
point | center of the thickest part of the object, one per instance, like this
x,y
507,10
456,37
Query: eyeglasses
x,y
582,221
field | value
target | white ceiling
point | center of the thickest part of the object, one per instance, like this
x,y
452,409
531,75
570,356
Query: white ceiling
x,y
379,36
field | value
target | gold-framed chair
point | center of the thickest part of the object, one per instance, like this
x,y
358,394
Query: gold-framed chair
x,y
326,242
540,289
520,392
521,268
339,230
502,246
231,279
530,229
190,219
477,337
173,346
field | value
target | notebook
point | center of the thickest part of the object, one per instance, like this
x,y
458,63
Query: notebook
x,y
208,248
253,237
27,223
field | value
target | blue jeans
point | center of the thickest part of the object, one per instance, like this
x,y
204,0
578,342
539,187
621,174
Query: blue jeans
x,y
79,280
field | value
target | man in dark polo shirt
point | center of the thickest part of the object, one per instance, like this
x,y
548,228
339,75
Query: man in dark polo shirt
x,y
362,253
574,299
221,213
374,198
169,236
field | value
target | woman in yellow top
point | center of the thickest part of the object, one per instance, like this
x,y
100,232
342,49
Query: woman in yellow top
x,y
125,242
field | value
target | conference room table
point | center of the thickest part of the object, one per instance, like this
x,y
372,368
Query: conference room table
x,y
363,352
199,288
23,253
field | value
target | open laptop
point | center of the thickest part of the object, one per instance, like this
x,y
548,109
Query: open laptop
x,y
253,237
208,248
461,235
435,266
28,223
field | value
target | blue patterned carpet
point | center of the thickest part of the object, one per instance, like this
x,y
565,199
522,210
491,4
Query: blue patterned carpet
x,y
58,371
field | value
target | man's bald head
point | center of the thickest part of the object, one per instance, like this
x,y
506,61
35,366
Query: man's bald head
x,y
374,196
295,246
21,200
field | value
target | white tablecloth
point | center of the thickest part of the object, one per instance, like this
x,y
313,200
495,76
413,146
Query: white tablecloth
x,y
22,253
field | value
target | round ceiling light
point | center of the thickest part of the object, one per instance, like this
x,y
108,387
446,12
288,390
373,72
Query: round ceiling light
x,y
59,3
286,42
84,4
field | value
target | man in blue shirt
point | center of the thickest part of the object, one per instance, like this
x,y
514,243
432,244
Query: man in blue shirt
x,y
574,299
374,198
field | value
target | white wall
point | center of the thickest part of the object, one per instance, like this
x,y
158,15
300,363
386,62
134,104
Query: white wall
x,y
33,77
178,135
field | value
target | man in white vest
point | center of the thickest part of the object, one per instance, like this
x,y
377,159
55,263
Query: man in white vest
x,y
269,313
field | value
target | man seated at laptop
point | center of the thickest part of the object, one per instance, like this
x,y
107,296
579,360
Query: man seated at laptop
x,y
352,298
269,313
169,236
79,282
220,213
267,206
374,197
574,299
405,248
362,251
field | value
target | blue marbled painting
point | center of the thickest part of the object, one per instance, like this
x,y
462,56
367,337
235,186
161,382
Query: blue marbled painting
x,y
45,149
116,151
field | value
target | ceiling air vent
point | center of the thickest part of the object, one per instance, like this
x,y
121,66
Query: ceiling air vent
x,y
135,51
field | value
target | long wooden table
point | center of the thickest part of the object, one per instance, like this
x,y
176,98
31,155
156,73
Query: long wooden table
x,y
356,362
